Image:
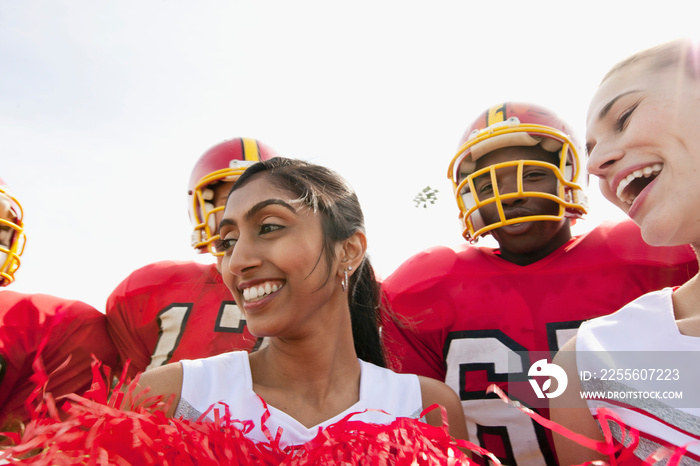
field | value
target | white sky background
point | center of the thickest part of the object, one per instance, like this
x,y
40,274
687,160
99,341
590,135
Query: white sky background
x,y
106,105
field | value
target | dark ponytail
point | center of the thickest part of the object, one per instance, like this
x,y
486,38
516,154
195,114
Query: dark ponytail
x,y
364,300
326,192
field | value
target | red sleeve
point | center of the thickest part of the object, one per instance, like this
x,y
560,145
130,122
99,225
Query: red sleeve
x,y
170,310
127,310
414,332
70,332
642,268
408,350
624,241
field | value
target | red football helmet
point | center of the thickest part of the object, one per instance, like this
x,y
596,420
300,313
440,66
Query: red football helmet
x,y
223,162
506,125
12,236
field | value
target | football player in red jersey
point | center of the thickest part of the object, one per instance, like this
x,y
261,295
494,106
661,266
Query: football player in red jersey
x,y
173,310
464,313
62,334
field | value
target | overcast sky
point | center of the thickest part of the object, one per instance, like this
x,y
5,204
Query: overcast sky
x,y
105,106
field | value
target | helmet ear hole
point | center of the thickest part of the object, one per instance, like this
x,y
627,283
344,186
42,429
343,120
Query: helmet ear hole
x,y
568,171
211,218
477,223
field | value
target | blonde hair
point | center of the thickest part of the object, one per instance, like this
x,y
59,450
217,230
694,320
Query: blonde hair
x,y
681,53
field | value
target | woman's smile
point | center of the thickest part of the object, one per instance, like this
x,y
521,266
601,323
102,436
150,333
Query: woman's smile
x,y
258,292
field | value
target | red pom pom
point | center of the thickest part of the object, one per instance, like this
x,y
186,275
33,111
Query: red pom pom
x,y
618,453
95,430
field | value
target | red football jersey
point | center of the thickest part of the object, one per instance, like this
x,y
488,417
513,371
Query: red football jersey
x,y
170,310
66,329
468,314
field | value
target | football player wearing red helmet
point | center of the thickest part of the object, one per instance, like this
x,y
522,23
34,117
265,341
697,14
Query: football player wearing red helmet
x,y
59,334
543,149
464,312
173,310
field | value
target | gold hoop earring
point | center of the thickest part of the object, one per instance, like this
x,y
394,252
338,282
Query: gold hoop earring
x,y
344,282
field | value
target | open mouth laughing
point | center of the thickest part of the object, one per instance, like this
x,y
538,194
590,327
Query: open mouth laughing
x,y
630,186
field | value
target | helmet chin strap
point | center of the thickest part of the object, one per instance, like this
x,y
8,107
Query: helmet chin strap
x,y
211,219
6,237
4,268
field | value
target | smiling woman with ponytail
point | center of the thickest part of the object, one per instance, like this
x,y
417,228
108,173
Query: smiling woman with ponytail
x,y
294,246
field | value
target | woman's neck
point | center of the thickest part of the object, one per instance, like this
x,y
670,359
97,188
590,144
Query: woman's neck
x,y
283,362
310,379
686,307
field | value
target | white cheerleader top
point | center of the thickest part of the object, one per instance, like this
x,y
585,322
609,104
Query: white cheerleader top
x,y
645,326
226,378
